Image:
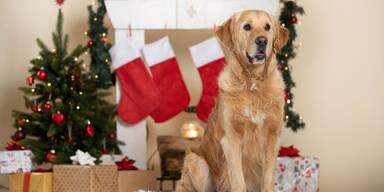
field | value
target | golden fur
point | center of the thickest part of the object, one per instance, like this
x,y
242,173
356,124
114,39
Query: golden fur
x,y
239,148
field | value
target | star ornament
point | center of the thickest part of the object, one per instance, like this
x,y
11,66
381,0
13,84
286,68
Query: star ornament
x,y
60,2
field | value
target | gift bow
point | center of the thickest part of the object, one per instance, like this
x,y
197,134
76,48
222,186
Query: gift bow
x,y
12,146
83,158
126,164
289,151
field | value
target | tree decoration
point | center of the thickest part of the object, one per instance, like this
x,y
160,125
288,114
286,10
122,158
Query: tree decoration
x,y
113,136
90,42
35,108
47,107
19,135
288,19
29,80
42,74
293,19
58,118
51,155
60,2
89,129
12,146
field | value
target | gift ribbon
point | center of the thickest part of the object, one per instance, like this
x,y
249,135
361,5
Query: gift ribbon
x,y
126,164
27,181
289,151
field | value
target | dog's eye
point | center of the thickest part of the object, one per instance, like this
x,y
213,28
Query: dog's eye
x,y
247,27
267,27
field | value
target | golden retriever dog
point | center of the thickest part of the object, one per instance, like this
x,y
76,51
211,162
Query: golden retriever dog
x,y
239,148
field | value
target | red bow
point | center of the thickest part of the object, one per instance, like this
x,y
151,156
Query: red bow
x,y
126,164
13,146
289,152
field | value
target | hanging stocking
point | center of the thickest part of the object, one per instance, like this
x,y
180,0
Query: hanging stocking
x,y
174,96
139,94
209,59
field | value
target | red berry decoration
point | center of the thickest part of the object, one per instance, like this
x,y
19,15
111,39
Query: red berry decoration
x,y
73,78
42,74
35,108
51,156
293,19
60,2
89,130
29,80
58,118
47,107
90,43
19,135
113,136
286,96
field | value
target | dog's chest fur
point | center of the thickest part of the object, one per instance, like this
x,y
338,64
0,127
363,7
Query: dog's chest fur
x,y
252,106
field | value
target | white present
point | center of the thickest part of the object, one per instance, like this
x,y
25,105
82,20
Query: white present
x,y
297,174
15,161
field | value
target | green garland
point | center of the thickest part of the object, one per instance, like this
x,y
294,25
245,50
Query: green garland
x,y
289,20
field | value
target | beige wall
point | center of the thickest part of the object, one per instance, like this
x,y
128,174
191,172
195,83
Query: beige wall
x,y
338,72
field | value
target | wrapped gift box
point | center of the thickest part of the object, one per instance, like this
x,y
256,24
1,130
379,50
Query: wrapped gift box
x,y
15,161
70,178
297,174
30,182
134,180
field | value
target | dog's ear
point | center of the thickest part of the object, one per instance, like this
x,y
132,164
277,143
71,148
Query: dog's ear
x,y
224,33
280,39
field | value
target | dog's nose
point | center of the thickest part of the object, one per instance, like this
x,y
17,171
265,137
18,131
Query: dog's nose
x,y
261,41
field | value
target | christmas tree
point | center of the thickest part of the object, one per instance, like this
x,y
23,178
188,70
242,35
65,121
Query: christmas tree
x,y
69,111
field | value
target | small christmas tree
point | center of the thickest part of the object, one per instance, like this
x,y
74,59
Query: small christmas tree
x,y
68,110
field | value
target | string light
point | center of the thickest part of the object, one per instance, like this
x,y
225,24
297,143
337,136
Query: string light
x,y
106,60
286,117
80,93
27,120
299,22
32,90
71,88
286,68
76,59
288,101
104,34
283,25
85,32
53,50
39,57
49,84
95,19
78,107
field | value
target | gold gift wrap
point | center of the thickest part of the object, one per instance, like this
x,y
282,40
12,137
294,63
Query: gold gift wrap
x,y
38,182
134,180
76,178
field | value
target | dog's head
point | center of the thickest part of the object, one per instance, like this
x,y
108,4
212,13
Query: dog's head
x,y
253,36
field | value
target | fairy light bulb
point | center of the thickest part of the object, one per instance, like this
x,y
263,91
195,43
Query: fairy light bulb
x,y
76,59
288,101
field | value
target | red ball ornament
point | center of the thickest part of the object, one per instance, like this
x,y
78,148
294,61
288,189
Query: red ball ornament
x,y
90,43
19,135
29,80
58,118
60,2
113,136
89,130
35,108
293,19
51,156
47,107
42,74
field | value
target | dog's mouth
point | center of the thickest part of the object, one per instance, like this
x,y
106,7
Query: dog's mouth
x,y
257,58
